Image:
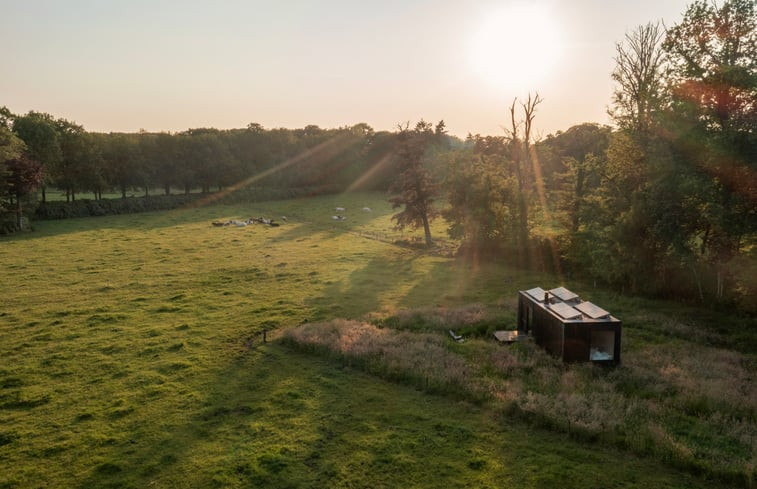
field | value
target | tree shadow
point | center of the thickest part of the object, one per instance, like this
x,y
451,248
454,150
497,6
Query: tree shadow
x,y
361,292
277,418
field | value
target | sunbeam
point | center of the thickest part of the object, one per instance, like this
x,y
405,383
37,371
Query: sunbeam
x,y
373,170
319,153
545,209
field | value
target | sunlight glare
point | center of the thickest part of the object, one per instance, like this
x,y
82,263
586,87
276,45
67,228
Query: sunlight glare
x,y
516,47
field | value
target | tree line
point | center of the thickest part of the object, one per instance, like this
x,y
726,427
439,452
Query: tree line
x,y
663,203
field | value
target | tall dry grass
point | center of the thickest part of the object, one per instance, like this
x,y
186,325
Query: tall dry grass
x,y
691,405
422,359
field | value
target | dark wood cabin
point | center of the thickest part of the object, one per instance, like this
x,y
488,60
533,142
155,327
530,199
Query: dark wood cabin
x,y
569,328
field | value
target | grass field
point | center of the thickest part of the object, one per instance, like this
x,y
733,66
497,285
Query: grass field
x,y
131,356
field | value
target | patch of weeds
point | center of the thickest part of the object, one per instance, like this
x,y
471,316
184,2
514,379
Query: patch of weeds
x,y
168,459
120,413
10,382
53,450
457,433
182,327
175,347
108,468
173,367
7,438
84,417
23,404
272,462
166,309
102,319
111,349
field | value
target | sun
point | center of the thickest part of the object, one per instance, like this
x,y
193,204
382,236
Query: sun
x,y
516,47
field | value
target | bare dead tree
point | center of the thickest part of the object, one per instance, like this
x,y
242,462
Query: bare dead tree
x,y
523,163
639,74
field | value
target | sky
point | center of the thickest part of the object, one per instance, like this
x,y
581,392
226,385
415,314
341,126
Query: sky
x,y
131,65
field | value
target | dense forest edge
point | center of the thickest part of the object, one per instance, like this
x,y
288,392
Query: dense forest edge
x,y
663,204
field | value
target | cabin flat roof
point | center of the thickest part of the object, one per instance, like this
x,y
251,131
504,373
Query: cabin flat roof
x,y
576,311
592,310
563,294
537,293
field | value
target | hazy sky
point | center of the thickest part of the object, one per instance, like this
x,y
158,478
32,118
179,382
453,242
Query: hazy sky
x,y
172,65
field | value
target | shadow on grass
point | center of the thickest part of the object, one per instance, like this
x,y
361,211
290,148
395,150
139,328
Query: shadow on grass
x,y
361,292
275,418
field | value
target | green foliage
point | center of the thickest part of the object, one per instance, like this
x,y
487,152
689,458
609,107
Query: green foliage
x,y
414,186
481,197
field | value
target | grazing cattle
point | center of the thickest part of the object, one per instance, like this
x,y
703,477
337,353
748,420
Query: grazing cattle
x,y
366,209
337,218
340,209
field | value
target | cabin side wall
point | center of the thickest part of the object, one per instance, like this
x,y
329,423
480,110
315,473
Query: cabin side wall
x,y
543,326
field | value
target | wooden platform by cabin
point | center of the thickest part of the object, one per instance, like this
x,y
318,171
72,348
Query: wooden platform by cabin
x,y
510,336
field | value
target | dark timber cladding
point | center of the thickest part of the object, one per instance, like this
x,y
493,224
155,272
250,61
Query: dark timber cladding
x,y
567,327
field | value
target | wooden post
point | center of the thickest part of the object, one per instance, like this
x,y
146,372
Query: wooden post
x,y
264,339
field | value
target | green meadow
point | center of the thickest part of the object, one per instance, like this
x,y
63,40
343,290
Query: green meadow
x,y
132,355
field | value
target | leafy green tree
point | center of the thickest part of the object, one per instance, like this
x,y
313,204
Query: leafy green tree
x,y
24,174
414,187
164,161
11,147
81,163
713,123
572,162
482,196
123,163
40,133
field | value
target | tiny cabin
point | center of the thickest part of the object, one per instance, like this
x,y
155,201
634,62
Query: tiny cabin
x,y
568,327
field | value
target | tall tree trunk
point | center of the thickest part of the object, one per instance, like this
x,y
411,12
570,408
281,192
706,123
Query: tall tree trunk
x,y
523,237
427,230
18,210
